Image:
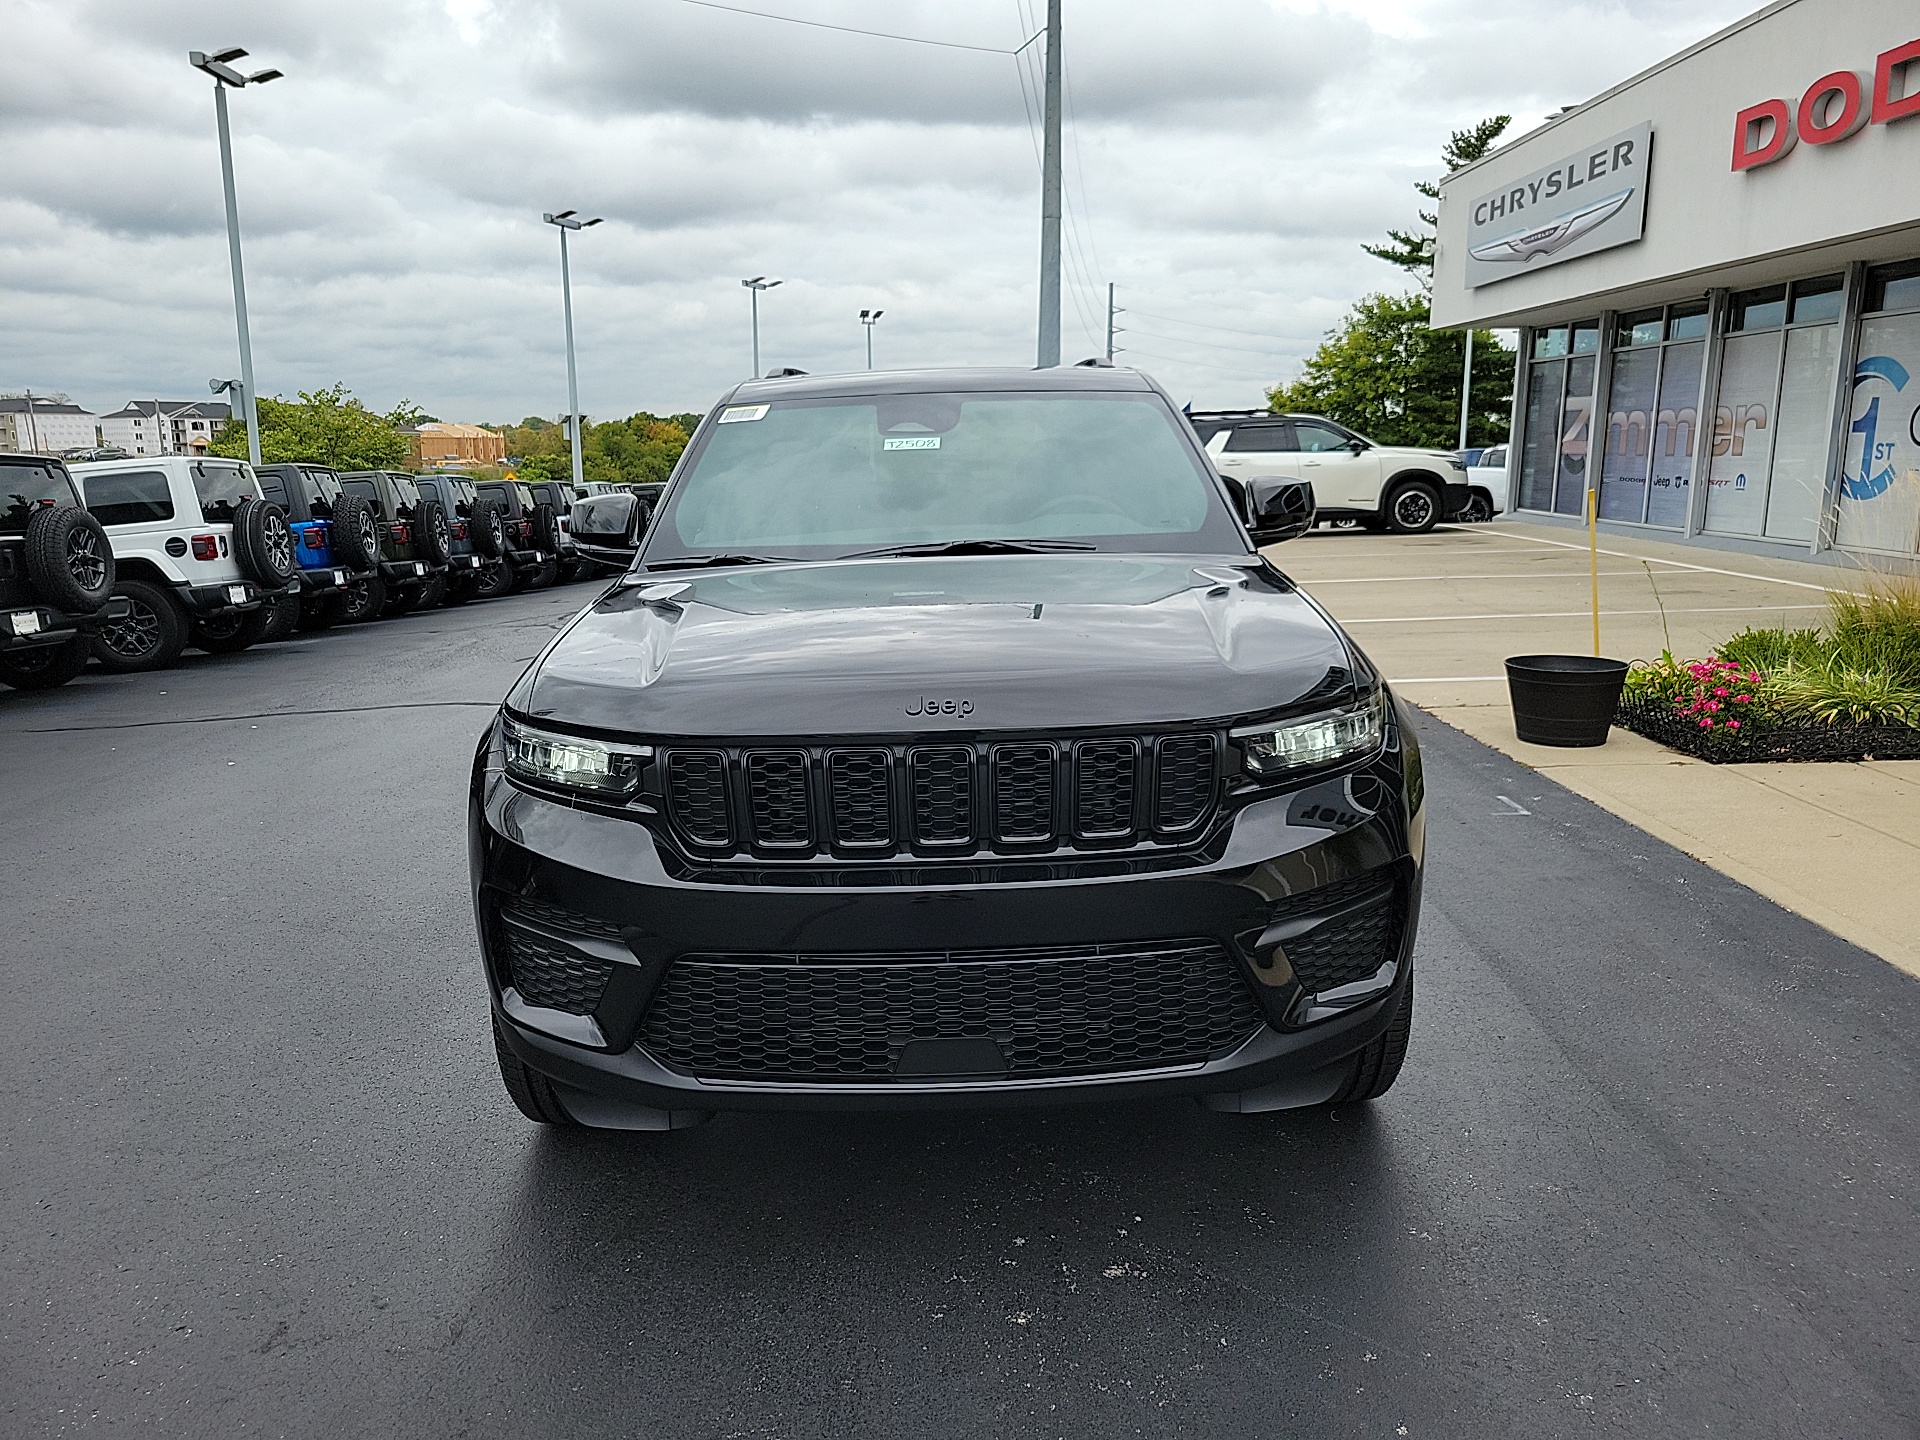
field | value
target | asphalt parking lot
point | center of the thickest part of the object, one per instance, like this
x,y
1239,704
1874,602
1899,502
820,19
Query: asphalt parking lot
x,y
1651,1169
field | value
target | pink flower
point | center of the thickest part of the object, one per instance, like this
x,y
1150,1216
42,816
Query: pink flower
x,y
1743,699
1733,724
1706,724
1713,704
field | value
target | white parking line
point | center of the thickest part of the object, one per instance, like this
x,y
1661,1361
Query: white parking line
x,y
1442,679
1506,575
1581,614
1677,564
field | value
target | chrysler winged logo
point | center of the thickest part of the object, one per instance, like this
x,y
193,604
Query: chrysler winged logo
x,y
1556,234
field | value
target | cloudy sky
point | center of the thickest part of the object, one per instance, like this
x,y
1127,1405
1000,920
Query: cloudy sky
x,y
1225,160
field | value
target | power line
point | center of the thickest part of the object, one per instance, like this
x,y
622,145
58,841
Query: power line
x,y
1244,370
1202,324
853,30
1209,344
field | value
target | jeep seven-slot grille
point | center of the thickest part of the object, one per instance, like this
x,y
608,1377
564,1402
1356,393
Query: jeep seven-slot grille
x,y
951,799
1080,1010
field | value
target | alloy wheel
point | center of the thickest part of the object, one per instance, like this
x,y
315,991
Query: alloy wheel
x,y
359,599
279,545
85,562
1413,509
1477,511
135,637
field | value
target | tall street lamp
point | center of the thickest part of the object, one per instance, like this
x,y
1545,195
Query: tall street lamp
x,y
870,318
224,75
565,221
756,285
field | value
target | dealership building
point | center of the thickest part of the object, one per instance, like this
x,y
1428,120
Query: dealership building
x,y
1715,270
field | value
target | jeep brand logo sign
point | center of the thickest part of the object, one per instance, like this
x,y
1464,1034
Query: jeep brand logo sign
x,y
1833,107
1590,201
927,705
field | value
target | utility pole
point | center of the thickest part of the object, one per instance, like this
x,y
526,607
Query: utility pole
x,y
1466,390
1110,314
224,75
1049,350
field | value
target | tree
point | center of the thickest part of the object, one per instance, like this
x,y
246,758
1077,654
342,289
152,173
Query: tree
x,y
635,451
324,427
1382,372
1414,252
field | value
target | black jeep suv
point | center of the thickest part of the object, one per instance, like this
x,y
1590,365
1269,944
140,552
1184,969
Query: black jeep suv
x,y
416,543
949,743
56,575
533,532
478,534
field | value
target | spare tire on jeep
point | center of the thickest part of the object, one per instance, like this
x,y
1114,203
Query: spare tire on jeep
x,y
69,558
263,543
354,533
434,538
546,527
487,528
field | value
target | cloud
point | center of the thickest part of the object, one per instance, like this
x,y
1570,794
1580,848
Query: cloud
x,y
1225,161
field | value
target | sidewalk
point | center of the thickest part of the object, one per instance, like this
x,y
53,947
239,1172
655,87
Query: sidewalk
x,y
1439,613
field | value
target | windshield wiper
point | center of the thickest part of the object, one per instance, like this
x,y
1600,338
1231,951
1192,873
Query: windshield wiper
x,y
697,562
974,547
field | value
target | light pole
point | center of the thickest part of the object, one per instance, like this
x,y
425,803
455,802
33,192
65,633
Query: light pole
x,y
565,221
870,318
224,75
1050,201
756,285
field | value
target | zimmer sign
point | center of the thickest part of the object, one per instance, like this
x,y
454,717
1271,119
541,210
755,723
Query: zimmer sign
x,y
1591,200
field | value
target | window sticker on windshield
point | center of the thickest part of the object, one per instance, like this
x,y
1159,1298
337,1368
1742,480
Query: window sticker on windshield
x,y
735,414
911,442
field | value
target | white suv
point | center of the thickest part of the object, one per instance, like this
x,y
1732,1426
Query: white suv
x,y
1380,486
197,550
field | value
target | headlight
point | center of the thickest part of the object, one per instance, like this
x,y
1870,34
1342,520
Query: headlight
x,y
1272,750
593,767
1459,465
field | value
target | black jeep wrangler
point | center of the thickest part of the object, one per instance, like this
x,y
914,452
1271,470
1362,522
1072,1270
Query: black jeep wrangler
x,y
533,532
416,543
56,575
479,539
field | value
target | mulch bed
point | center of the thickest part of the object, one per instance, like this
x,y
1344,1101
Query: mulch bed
x,y
1780,740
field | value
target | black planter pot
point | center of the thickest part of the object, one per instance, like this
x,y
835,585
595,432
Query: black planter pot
x,y
1564,699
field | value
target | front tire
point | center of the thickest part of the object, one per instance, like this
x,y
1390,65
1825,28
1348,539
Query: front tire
x,y
532,1093
1378,1066
150,638
45,667
1413,508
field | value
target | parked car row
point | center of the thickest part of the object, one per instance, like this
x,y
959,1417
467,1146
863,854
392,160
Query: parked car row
x,y
129,562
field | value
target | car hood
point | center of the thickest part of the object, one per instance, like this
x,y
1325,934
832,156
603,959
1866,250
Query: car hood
x,y
908,646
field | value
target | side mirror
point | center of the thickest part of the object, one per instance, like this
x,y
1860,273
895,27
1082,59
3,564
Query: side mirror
x,y
1356,445
608,528
1278,508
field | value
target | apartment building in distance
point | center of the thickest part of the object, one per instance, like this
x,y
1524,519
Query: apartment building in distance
x,y
32,423
165,427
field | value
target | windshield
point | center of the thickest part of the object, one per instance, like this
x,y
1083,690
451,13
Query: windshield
x,y
222,488
23,489
817,478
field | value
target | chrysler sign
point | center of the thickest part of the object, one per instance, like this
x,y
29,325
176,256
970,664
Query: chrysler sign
x,y
1592,200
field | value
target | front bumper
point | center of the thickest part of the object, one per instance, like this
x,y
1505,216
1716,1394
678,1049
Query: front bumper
x,y
532,854
210,602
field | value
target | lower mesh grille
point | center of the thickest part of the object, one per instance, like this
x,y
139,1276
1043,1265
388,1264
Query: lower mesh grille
x,y
553,917
552,975
1089,1009
1355,945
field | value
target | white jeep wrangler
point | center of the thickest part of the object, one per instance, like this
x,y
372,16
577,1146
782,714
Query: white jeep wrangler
x,y
1381,487
197,550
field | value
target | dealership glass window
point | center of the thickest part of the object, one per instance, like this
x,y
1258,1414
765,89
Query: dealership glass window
x,y
1894,287
1550,344
1687,322
1880,486
1586,338
1758,309
1652,416
1540,450
1576,428
1770,429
